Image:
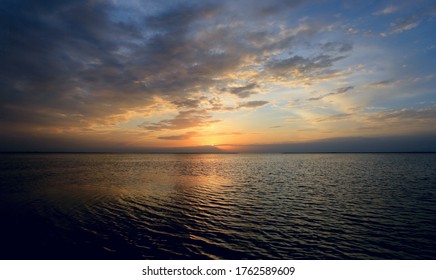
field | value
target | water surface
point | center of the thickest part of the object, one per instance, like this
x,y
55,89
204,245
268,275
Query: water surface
x,y
265,206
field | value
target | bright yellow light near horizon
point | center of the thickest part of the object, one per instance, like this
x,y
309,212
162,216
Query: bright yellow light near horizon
x,y
210,141
209,135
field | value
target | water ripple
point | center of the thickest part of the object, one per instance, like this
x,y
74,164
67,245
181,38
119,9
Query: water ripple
x,y
347,206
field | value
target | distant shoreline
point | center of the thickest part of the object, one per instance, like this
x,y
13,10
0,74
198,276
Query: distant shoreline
x,y
218,153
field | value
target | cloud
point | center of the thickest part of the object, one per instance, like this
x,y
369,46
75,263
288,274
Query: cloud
x,y
298,67
264,9
383,84
243,91
185,136
88,64
253,104
333,118
337,47
98,59
412,21
341,90
403,120
386,11
405,25
59,56
188,102
406,114
184,119
344,89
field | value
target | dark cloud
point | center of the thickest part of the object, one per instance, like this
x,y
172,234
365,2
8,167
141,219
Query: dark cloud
x,y
253,104
184,119
243,91
383,84
316,98
77,57
344,89
188,102
60,56
73,57
297,66
217,105
341,90
338,47
215,102
79,64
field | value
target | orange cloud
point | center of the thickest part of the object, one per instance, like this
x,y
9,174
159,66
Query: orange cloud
x,y
184,119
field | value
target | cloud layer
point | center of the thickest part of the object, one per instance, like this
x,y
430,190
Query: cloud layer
x,y
168,70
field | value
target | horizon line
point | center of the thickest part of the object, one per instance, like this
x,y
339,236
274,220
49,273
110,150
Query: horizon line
x,y
212,153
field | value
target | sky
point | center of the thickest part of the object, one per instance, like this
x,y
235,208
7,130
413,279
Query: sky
x,y
210,76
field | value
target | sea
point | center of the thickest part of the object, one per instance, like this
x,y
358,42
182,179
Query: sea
x,y
85,206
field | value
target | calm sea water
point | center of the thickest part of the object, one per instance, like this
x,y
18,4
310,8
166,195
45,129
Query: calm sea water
x,y
266,206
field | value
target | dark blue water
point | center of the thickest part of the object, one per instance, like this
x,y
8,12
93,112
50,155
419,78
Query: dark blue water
x,y
266,206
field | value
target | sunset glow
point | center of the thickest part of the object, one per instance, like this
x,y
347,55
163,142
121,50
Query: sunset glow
x,y
217,75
